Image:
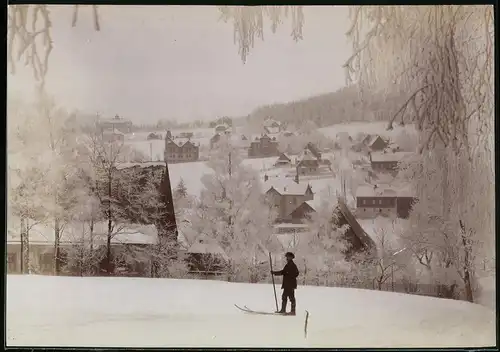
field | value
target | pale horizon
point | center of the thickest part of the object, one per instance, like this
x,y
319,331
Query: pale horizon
x,y
180,62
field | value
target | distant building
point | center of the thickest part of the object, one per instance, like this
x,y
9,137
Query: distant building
x,y
314,150
205,256
131,239
271,126
221,128
283,160
262,147
153,136
180,150
288,198
117,123
372,201
386,162
307,163
375,142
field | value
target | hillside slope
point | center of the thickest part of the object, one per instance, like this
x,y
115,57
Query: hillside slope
x,y
140,312
343,105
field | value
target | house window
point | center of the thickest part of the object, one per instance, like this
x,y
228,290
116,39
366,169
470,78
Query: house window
x,y
380,201
373,202
379,210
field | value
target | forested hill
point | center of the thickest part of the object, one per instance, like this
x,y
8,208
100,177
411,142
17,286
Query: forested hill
x,y
343,105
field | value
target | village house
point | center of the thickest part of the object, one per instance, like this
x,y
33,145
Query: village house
x,y
372,201
238,142
290,199
283,160
222,128
263,147
313,150
180,150
206,257
272,126
307,163
375,142
116,123
126,245
386,161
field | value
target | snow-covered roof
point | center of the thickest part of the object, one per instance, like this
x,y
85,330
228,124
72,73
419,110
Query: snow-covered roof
x,y
397,156
221,127
383,191
270,121
180,142
307,155
273,130
206,245
373,138
286,186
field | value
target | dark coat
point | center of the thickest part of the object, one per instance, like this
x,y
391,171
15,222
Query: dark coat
x,y
289,273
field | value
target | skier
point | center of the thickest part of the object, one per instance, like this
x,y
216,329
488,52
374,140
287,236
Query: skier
x,y
289,273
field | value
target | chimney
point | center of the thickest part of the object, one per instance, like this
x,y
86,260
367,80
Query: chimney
x,y
297,175
266,178
169,134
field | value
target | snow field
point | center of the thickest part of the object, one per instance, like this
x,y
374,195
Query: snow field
x,y
140,312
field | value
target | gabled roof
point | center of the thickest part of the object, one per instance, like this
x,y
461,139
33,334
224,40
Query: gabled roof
x,y
270,121
180,142
204,244
305,206
272,130
286,186
386,157
354,225
383,191
284,157
313,150
307,155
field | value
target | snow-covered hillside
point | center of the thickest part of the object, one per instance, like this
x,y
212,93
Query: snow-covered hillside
x,y
353,128
129,312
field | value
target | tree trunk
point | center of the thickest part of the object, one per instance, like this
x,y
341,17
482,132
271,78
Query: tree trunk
x,y
467,275
57,254
23,246
109,269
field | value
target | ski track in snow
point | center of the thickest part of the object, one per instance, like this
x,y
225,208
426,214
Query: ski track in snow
x,y
140,312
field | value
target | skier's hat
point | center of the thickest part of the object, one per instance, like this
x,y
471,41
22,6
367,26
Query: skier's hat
x,y
290,254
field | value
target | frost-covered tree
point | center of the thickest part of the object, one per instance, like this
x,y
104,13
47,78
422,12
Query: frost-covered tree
x,y
232,209
323,246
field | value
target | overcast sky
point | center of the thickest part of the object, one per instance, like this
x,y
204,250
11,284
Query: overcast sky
x,y
180,62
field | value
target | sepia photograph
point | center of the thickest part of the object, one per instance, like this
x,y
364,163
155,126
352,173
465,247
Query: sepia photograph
x,y
250,176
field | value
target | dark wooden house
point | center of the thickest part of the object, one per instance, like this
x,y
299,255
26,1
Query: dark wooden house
x,y
206,256
375,142
180,150
262,147
283,160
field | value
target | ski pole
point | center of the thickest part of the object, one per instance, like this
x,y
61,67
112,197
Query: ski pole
x,y
274,286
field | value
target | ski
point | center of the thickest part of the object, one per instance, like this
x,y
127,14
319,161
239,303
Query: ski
x,y
251,311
